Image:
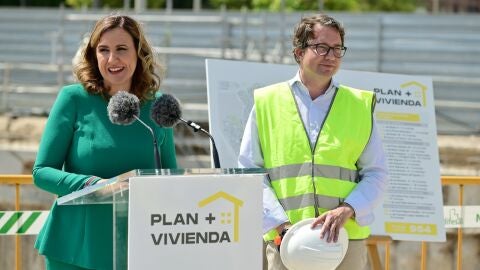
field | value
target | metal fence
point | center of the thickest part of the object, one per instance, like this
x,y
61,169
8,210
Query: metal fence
x,y
37,46
372,243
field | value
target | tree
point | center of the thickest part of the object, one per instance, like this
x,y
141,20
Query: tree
x,y
337,5
151,4
79,3
391,5
231,4
344,5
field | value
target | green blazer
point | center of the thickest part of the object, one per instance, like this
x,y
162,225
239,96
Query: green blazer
x,y
78,142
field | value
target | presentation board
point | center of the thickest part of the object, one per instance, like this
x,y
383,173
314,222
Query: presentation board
x,y
405,117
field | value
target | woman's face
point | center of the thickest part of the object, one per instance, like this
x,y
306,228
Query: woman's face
x,y
117,59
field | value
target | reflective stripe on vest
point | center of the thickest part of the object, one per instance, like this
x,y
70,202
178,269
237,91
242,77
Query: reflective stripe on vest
x,y
300,177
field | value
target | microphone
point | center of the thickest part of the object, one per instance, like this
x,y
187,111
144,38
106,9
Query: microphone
x,y
166,112
123,109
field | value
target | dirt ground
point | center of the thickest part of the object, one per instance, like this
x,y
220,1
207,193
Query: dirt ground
x,y
459,155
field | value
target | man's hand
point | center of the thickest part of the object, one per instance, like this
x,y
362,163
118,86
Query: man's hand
x,y
332,221
283,226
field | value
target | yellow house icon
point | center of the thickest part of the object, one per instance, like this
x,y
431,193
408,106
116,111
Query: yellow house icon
x,y
422,87
237,203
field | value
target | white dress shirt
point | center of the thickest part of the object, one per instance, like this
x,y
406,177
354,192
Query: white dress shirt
x,y
372,162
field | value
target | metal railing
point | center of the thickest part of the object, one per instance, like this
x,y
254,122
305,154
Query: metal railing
x,y
438,46
372,242
17,180
461,181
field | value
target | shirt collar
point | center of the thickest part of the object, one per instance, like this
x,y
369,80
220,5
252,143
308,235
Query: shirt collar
x,y
296,81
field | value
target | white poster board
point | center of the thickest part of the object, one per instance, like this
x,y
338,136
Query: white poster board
x,y
405,115
195,222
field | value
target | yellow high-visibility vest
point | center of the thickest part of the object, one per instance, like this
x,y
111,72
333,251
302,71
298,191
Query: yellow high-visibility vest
x,y
311,180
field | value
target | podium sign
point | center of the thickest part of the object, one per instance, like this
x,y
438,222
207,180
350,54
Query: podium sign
x,y
182,218
195,222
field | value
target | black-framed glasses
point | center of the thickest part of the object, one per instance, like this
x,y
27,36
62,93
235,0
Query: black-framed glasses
x,y
322,49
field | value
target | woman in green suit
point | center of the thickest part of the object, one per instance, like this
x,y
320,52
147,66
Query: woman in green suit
x,y
81,147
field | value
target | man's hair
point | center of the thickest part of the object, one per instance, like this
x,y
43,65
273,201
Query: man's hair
x,y
303,32
145,80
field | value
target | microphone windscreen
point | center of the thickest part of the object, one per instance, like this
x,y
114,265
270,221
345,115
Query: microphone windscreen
x,y
166,111
123,107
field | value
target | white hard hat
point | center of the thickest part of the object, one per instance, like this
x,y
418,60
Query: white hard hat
x,y
302,248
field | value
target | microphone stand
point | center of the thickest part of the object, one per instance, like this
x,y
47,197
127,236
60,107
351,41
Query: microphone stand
x,y
158,163
196,127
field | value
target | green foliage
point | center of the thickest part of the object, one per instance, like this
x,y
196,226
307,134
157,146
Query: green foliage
x,y
271,5
337,5
276,5
342,5
151,4
156,4
261,4
392,5
79,3
31,3
292,5
230,4
43,3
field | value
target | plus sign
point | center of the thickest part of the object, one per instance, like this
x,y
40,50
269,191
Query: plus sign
x,y
210,218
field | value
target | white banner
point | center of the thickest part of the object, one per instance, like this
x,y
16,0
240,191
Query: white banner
x,y
22,222
465,216
405,114
195,222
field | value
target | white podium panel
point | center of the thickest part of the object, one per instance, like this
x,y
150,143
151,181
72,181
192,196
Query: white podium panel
x,y
195,222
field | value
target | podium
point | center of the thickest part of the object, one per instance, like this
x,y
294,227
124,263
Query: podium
x,y
182,218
